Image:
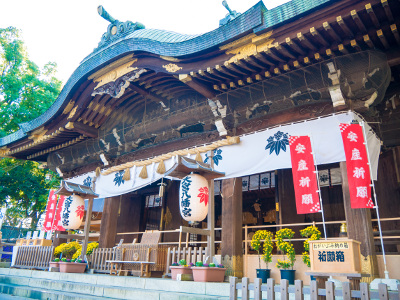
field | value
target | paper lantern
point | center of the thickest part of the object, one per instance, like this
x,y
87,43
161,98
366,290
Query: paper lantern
x,y
72,212
193,198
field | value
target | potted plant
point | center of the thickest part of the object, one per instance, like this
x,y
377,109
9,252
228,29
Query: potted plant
x,y
262,239
55,263
208,273
312,234
180,268
286,265
69,262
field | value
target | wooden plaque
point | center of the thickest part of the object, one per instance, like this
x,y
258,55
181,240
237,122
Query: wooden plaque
x,y
335,256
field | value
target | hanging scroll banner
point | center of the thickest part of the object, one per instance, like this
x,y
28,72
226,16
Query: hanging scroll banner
x,y
357,166
50,211
304,178
57,224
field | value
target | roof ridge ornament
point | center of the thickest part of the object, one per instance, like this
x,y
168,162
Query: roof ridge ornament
x,y
232,14
116,29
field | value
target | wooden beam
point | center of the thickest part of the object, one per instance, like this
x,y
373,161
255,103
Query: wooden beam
x,y
192,230
318,37
331,32
388,12
303,40
358,21
371,14
145,93
382,38
231,235
344,27
368,41
108,226
395,32
87,227
82,129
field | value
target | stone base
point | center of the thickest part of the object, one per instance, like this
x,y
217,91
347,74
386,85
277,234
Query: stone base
x,y
54,269
184,277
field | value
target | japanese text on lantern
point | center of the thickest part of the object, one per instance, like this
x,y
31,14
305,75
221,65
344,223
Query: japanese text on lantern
x,y
185,197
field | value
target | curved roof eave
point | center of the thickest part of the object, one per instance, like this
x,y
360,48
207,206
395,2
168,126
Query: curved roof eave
x,y
256,19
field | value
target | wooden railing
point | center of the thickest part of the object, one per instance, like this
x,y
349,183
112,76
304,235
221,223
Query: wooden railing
x,y
191,255
98,258
34,257
299,291
158,254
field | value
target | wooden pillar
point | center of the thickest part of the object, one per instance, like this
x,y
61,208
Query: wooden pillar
x,y
58,241
172,216
359,227
287,204
231,238
130,216
87,227
108,226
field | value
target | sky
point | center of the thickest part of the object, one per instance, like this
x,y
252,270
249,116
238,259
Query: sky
x,y
65,32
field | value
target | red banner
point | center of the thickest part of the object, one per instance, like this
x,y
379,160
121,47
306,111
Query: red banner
x,y
304,177
57,225
50,211
357,166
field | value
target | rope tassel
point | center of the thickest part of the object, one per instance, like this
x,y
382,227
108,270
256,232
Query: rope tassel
x,y
198,157
161,168
143,173
127,175
98,172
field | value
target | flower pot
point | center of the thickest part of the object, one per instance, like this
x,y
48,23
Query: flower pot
x,y
54,264
175,270
289,275
208,274
72,267
264,274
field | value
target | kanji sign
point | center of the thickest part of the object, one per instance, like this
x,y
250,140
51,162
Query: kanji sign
x,y
339,256
304,177
50,211
357,166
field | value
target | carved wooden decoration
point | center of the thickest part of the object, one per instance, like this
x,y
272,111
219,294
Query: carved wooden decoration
x,y
117,88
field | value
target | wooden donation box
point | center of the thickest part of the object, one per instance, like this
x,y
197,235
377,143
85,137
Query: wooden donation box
x,y
335,256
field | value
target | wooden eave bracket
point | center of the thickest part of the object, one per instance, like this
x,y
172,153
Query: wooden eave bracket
x,y
197,86
82,129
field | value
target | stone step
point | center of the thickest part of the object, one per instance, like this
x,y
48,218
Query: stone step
x,y
19,282
27,292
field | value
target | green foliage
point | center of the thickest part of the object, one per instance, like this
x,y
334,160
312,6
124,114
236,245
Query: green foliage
x,y
24,190
313,234
264,237
286,247
26,92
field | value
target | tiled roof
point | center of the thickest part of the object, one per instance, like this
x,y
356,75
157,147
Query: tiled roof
x,y
167,43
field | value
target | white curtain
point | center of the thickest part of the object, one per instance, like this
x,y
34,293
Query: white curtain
x,y
253,154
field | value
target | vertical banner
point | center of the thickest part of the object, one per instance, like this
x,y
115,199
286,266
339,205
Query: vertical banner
x,y
357,166
304,177
50,211
57,225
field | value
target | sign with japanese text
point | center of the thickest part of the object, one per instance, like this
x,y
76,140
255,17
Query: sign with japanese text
x,y
357,166
50,211
338,256
57,224
304,178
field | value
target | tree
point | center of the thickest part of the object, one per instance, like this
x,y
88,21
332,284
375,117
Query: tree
x,y
26,92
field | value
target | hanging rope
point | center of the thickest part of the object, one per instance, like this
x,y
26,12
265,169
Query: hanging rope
x,y
158,159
